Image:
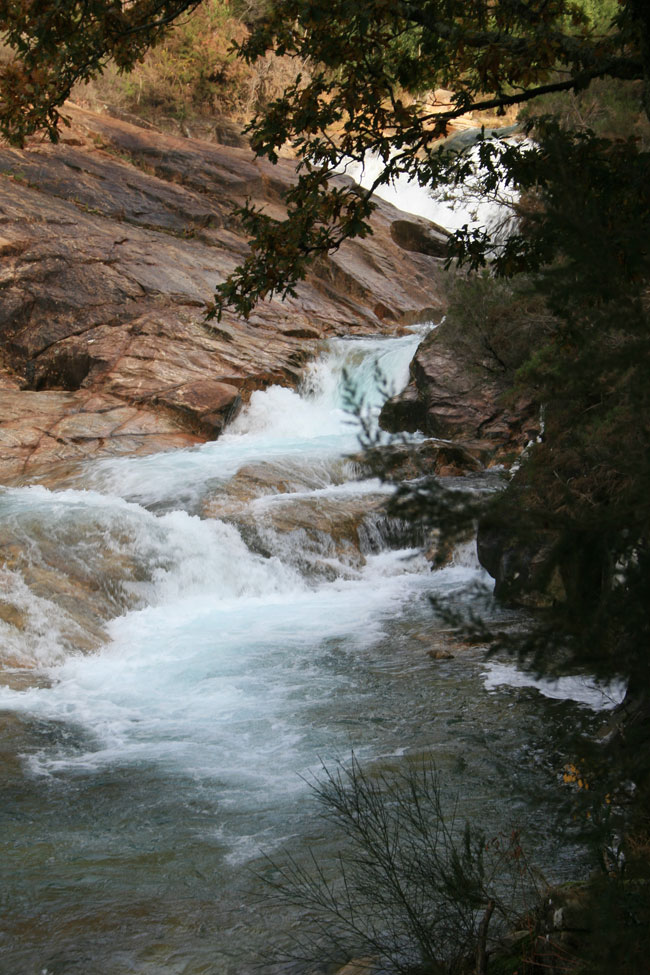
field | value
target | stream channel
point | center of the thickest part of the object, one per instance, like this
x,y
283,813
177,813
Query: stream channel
x,y
194,633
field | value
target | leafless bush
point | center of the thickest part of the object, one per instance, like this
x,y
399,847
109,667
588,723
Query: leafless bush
x,y
414,888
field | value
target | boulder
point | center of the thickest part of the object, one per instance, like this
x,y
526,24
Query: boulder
x,y
447,400
43,433
209,403
420,236
527,567
397,462
359,966
282,509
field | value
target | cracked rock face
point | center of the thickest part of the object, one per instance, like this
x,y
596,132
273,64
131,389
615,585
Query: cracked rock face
x,y
111,244
42,430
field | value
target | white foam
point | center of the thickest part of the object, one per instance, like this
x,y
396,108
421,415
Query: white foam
x,y
46,632
597,695
171,555
452,207
218,685
277,423
466,556
349,489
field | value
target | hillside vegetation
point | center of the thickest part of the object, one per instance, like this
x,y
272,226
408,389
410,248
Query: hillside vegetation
x,y
192,81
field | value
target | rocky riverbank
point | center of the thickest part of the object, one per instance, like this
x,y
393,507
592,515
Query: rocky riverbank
x,y
111,244
450,399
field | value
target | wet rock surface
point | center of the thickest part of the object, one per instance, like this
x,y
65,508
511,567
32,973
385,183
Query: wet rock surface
x,y
420,236
49,429
463,408
314,517
53,605
396,462
111,245
528,569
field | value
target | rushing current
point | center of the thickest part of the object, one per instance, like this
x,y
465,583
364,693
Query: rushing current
x,y
189,637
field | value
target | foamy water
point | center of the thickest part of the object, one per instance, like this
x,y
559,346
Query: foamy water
x,y
597,695
451,207
177,678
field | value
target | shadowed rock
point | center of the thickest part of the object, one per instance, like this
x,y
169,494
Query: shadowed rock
x,y
420,236
449,401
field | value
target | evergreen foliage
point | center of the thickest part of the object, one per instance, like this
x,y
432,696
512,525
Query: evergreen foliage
x,y
479,323
372,62
582,242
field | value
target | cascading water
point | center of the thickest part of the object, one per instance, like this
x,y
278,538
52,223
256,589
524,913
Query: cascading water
x,y
187,636
449,206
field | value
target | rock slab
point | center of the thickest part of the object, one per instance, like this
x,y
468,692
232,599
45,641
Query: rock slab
x,y
111,245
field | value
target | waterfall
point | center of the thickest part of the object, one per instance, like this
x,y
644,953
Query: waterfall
x,y
449,206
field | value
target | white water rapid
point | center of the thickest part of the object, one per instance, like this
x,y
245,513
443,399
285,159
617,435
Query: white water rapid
x,y
451,207
193,633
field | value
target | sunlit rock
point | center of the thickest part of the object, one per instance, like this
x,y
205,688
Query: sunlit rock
x,y
112,244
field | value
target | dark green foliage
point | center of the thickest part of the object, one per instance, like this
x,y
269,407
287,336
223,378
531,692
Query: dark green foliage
x,y
587,230
578,341
608,107
586,214
369,62
575,338
494,325
54,45
618,920
362,97
573,335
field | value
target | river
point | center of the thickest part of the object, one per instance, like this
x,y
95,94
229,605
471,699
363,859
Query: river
x,y
193,634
